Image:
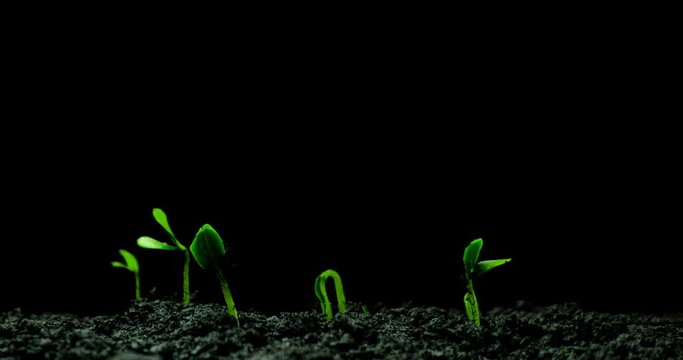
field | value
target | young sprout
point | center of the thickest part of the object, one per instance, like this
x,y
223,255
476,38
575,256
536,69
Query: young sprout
x,y
366,311
472,269
132,266
150,243
208,249
321,292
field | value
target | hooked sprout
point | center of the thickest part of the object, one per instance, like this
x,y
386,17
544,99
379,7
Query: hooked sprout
x,y
208,249
132,266
472,269
321,292
150,243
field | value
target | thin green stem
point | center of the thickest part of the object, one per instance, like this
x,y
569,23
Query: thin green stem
x,y
471,304
341,298
227,295
137,286
186,278
324,300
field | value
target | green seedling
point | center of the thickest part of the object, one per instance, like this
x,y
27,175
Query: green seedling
x,y
132,266
150,243
472,269
208,250
321,292
366,311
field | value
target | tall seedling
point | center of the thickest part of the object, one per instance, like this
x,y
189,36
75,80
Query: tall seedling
x,y
475,269
150,243
208,249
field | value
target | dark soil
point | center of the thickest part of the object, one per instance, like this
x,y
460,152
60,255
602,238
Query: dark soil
x,y
169,330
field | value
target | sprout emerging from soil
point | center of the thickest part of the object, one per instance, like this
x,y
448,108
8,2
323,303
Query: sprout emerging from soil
x,y
321,292
472,269
132,266
208,249
150,243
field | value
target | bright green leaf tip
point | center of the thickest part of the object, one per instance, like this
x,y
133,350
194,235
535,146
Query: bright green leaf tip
x,y
160,217
488,265
117,264
150,243
471,256
131,261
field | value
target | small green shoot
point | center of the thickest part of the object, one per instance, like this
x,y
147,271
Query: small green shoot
x,y
150,243
208,249
321,292
366,311
132,266
472,269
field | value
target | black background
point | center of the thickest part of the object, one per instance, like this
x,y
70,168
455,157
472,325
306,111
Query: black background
x,y
391,215
380,160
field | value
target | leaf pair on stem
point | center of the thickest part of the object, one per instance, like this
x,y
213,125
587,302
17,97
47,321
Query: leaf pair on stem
x,y
150,243
207,249
132,266
475,269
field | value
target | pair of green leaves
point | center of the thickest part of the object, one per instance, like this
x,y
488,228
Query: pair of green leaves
x,y
207,246
474,268
207,249
131,262
132,266
151,243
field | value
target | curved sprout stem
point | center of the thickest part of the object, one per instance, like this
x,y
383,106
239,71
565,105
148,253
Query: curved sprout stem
x,y
321,292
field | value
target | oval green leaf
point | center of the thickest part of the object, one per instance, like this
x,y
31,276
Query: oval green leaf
x,y
131,261
471,256
149,243
117,264
488,265
207,247
160,217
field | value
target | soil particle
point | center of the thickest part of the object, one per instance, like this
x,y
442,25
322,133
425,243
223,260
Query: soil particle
x,y
154,330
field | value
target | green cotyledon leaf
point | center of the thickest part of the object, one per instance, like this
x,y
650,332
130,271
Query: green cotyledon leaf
x,y
150,243
471,256
488,265
131,261
160,217
207,247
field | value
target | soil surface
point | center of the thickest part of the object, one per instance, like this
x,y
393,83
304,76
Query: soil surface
x,y
169,330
